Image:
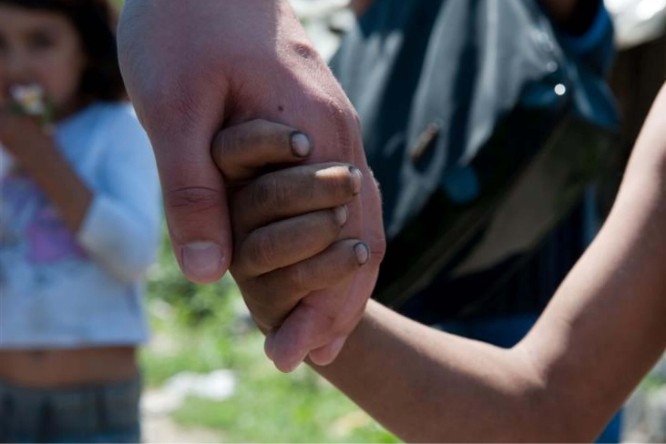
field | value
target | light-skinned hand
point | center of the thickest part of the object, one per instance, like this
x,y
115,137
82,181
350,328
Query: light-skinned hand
x,y
193,68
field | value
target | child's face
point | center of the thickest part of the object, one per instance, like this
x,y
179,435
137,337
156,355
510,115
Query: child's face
x,y
43,48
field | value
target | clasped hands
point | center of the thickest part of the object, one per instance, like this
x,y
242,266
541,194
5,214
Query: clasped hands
x,y
287,218
193,68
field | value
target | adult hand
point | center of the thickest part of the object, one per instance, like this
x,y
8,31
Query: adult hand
x,y
192,68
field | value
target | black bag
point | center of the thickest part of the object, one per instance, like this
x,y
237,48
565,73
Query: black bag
x,y
481,131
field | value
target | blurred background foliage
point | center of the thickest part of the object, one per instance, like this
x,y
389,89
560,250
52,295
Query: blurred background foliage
x,y
202,329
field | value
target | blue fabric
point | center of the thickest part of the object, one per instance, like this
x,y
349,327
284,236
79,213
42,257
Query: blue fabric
x,y
507,331
526,282
592,54
596,47
384,57
106,413
65,290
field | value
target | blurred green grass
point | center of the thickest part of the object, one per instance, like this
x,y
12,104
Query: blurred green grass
x,y
206,328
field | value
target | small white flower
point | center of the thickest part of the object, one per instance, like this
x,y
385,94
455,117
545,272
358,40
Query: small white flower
x,y
30,98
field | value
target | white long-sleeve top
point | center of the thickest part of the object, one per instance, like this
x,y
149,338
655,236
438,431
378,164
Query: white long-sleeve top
x,y
64,290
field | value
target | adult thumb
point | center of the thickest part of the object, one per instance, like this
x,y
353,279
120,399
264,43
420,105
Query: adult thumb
x,y
195,201
179,96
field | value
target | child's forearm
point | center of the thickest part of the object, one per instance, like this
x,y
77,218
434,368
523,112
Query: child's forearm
x,y
603,331
428,386
605,327
59,181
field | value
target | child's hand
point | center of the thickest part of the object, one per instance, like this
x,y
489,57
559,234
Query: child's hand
x,y
23,136
286,226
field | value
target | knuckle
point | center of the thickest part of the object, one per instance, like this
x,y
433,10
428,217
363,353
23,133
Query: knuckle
x,y
326,315
269,193
343,128
193,199
169,107
240,138
295,278
378,248
305,50
260,250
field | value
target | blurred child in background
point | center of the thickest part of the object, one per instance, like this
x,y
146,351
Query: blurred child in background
x,y
79,226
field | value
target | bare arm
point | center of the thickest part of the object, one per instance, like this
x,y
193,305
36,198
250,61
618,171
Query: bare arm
x,y
602,332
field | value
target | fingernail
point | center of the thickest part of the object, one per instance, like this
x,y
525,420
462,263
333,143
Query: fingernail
x,y
327,354
269,346
341,215
285,357
357,178
201,260
292,366
300,144
362,253
287,364
336,347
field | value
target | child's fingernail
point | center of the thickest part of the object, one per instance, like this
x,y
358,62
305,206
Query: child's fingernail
x,y
335,348
300,144
362,253
341,215
292,366
201,260
357,178
269,346
286,363
327,354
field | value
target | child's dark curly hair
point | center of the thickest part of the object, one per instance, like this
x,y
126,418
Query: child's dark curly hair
x,y
95,21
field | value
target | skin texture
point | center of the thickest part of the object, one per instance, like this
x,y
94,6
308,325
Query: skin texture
x,y
602,332
286,222
192,68
285,217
